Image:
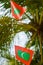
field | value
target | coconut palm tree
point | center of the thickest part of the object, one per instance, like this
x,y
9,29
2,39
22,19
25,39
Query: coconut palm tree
x,y
34,13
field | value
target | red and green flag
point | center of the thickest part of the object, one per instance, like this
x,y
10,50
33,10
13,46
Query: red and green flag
x,y
23,54
16,10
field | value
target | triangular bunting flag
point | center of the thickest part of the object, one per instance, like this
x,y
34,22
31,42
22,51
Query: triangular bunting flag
x,y
17,11
24,55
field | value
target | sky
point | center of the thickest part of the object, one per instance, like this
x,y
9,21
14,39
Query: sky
x,y
20,39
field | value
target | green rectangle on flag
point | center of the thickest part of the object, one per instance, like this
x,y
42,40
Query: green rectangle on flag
x,y
16,11
24,55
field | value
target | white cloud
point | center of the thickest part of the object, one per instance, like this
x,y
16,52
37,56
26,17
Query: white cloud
x,y
19,40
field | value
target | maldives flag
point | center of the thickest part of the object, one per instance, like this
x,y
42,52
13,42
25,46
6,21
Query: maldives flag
x,y
23,54
16,10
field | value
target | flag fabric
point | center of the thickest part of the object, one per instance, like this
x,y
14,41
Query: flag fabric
x,y
23,54
16,10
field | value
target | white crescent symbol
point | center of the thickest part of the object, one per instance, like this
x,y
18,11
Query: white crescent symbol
x,y
22,54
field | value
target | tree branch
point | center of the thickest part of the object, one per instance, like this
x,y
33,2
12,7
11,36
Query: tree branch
x,y
31,40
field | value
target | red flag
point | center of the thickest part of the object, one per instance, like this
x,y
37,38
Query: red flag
x,y
17,11
23,54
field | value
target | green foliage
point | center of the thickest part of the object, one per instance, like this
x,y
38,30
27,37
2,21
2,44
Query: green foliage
x,y
37,3
6,3
5,31
9,27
